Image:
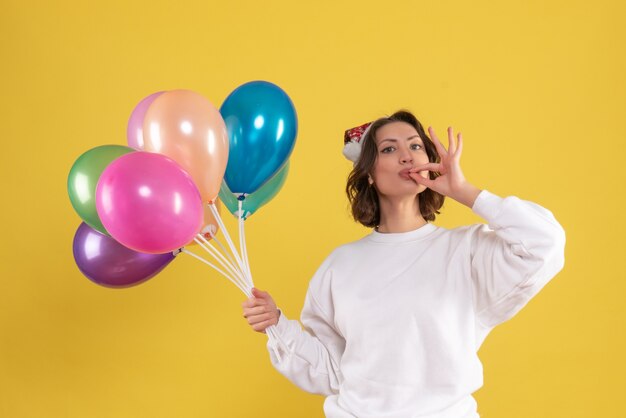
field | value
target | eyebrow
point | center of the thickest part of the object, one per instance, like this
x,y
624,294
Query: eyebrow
x,y
395,140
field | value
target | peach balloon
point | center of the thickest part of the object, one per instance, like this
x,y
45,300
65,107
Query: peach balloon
x,y
210,225
186,127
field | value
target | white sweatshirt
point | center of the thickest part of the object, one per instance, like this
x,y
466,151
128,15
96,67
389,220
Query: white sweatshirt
x,y
393,322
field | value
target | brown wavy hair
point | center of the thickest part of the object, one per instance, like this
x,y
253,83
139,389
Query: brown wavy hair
x,y
364,198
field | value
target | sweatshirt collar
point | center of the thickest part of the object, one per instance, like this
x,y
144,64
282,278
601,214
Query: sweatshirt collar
x,y
396,237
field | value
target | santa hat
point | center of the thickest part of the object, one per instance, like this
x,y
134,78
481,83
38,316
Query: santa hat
x,y
352,141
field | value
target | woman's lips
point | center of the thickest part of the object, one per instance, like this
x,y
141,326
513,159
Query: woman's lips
x,y
405,174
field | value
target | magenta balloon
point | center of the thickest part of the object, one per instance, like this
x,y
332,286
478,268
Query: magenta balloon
x,y
134,130
108,263
148,203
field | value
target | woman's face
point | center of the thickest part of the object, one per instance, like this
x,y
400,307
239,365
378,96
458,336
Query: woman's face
x,y
399,148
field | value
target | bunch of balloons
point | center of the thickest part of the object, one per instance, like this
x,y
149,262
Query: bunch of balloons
x,y
144,203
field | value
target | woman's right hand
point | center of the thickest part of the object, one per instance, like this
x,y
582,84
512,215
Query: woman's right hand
x,y
260,310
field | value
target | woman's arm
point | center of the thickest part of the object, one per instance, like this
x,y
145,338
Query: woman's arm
x,y
312,360
512,258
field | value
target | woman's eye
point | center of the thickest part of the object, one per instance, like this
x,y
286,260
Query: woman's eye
x,y
387,150
415,146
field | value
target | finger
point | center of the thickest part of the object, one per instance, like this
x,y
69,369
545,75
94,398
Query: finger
x,y
258,310
421,180
257,319
459,147
428,166
255,310
260,293
261,327
438,145
451,143
248,303
252,302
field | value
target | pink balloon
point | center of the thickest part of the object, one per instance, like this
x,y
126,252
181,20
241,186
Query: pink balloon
x,y
134,130
148,203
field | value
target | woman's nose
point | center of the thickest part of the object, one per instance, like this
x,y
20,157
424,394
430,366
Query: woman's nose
x,y
406,158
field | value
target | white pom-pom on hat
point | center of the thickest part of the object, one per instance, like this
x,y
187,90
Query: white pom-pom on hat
x,y
353,141
352,151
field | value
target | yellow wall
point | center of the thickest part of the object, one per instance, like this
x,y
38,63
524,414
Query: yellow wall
x,y
536,87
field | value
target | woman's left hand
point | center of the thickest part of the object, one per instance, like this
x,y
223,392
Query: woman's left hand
x,y
451,181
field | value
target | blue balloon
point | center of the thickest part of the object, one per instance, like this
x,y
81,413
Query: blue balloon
x,y
262,126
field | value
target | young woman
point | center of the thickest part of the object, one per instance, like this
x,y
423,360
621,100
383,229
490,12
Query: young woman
x,y
393,321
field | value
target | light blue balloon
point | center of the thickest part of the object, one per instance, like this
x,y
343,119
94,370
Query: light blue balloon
x,y
262,126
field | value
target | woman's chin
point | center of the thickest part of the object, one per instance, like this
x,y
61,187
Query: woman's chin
x,y
405,188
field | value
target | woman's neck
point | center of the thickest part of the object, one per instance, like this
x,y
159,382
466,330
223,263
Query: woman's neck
x,y
399,215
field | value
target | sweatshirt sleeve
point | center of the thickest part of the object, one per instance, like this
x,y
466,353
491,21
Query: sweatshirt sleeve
x,y
512,257
314,352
